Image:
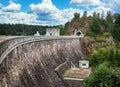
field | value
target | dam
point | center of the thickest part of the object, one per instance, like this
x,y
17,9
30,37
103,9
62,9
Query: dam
x,y
38,61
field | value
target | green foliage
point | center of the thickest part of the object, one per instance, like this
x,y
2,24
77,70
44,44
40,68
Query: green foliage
x,y
97,57
106,34
91,34
103,23
116,30
62,31
94,14
111,55
76,16
109,17
99,40
17,29
85,14
116,33
103,76
95,26
81,25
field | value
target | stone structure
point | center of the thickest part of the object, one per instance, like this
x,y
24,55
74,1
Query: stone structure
x,y
38,61
37,34
78,33
52,32
76,76
83,64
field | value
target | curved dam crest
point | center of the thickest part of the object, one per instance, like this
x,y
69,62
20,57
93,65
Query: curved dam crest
x,y
34,64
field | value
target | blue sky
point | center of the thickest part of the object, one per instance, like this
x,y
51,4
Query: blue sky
x,y
51,12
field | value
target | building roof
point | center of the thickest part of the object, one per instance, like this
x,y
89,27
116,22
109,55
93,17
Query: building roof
x,y
80,73
83,61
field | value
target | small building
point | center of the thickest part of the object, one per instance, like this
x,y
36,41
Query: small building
x,y
52,32
37,34
83,64
76,76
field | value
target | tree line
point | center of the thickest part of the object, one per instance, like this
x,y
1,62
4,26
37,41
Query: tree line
x,y
22,29
100,23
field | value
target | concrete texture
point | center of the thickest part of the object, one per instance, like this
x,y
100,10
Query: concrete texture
x,y
33,64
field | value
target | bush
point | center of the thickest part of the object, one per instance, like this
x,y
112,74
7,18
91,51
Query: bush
x,y
106,34
97,57
95,27
62,31
90,34
103,76
99,40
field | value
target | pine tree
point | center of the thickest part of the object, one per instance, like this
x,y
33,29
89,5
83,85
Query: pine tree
x,y
85,14
102,15
94,14
76,15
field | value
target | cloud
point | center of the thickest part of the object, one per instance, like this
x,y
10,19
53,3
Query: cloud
x,y
85,3
44,13
48,12
10,17
113,4
1,5
12,7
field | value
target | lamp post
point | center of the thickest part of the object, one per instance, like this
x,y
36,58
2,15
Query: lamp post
x,y
23,26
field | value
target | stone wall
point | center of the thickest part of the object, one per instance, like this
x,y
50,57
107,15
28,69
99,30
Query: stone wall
x,y
33,64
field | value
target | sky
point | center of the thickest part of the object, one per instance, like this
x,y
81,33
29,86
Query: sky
x,y
51,12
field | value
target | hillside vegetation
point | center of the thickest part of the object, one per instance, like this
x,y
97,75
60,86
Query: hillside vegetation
x,y
100,31
102,38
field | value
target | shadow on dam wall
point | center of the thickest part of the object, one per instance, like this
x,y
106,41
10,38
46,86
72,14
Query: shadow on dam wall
x,y
33,64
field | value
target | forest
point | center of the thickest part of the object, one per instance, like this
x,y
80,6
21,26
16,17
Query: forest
x,y
22,29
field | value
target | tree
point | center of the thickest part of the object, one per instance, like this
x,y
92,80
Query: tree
x,y
76,15
102,15
109,17
116,29
85,14
95,26
109,20
103,76
98,15
94,14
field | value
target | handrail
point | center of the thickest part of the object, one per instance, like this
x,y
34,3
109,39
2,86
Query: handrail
x,y
7,46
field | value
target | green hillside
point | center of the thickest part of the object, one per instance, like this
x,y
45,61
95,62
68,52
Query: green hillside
x,y
102,38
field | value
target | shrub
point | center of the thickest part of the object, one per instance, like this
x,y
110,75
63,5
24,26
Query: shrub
x,y
106,34
103,76
99,40
90,34
95,27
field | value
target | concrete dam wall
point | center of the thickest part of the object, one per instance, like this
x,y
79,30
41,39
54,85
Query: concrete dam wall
x,y
40,63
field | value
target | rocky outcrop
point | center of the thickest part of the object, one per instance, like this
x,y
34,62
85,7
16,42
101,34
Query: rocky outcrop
x,y
33,64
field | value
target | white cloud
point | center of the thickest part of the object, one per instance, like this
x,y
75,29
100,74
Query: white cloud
x,y
69,13
12,7
48,12
113,4
45,7
44,13
100,9
1,5
10,17
85,3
